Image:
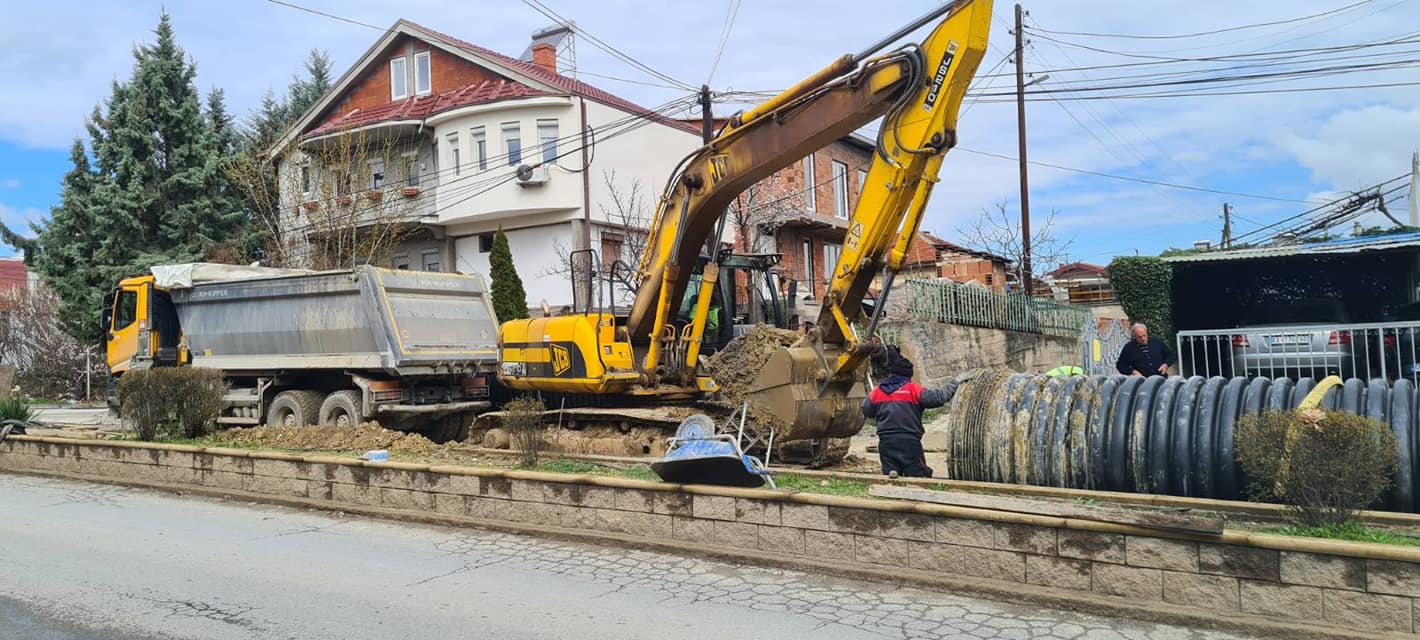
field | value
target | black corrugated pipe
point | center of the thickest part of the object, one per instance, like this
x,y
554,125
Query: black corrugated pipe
x,y
1148,435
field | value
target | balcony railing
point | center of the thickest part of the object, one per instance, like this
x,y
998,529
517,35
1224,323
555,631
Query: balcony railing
x,y
954,303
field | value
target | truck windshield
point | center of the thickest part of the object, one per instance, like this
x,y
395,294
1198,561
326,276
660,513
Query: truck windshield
x,y
431,322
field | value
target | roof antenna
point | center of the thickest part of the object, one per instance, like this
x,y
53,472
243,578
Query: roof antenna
x,y
564,39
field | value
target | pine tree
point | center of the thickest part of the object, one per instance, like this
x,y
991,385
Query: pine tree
x,y
154,193
510,301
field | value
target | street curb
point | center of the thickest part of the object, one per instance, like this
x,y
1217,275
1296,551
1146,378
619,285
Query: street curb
x,y
997,590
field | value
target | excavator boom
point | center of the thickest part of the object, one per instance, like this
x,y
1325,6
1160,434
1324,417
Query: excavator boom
x,y
807,391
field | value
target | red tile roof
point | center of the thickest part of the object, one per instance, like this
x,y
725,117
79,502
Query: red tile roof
x,y
1078,266
570,85
13,275
421,107
935,244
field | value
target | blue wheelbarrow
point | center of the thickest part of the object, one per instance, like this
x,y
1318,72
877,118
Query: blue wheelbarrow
x,y
699,455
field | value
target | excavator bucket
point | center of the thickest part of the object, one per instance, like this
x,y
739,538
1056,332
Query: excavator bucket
x,y
791,395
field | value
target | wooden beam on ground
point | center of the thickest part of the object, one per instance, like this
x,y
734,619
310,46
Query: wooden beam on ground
x,y
1165,520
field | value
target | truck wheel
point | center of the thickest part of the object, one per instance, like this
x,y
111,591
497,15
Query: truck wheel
x,y
341,409
294,409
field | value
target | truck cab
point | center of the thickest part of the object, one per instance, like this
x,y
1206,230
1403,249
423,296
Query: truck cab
x,y
141,326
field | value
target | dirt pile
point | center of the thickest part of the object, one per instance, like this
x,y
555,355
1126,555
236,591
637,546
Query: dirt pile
x,y
366,437
737,365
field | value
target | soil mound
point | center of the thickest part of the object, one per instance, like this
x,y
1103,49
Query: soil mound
x,y
737,365
366,437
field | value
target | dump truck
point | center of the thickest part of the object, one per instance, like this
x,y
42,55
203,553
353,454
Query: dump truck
x,y
414,350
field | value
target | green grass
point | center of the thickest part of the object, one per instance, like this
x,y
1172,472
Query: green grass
x,y
1350,531
638,472
830,486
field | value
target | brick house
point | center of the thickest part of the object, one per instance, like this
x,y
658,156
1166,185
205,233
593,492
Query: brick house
x,y
932,257
471,140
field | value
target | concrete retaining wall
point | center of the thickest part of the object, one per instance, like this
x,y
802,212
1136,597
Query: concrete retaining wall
x,y
1287,585
942,351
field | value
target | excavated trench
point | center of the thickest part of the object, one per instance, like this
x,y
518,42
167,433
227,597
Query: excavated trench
x,y
1147,435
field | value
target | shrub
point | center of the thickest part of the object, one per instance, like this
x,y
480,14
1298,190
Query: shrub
x,y
1326,465
1260,440
171,402
16,409
1143,285
510,300
523,420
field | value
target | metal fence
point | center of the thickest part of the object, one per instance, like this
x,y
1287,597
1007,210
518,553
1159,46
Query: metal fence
x,y
1100,345
1378,350
954,303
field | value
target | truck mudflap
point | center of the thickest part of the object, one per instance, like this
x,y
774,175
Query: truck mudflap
x,y
431,409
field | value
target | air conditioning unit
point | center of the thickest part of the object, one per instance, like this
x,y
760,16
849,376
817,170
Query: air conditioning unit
x,y
530,176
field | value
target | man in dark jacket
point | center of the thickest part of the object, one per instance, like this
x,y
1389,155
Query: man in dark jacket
x,y
897,403
1145,355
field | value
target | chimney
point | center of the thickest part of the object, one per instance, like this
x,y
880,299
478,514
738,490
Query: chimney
x,y
544,55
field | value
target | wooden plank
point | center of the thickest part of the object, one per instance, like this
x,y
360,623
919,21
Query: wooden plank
x,y
1164,520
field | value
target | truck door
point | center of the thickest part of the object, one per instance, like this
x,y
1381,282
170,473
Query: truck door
x,y
127,321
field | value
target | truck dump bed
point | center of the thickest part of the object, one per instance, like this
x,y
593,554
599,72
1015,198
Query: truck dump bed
x,y
406,322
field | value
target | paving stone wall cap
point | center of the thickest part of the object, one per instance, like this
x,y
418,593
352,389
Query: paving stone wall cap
x,y
274,455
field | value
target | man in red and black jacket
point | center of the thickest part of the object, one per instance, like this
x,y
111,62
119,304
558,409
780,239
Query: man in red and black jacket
x,y
897,403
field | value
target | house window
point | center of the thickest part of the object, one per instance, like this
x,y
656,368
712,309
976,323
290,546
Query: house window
x,y
409,165
809,183
485,243
377,173
547,139
454,154
431,260
480,148
306,186
831,251
862,181
400,261
513,143
612,244
422,77
840,189
806,261
399,82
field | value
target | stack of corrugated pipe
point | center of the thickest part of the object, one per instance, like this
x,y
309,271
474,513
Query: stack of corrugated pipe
x,y
1147,435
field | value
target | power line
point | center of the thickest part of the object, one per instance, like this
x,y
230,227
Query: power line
x,y
1156,183
327,15
1138,96
1309,211
538,6
724,37
1206,33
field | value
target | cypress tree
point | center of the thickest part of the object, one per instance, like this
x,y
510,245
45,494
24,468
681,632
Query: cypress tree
x,y
510,301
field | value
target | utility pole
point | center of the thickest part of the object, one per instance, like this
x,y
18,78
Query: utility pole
x,y
707,119
1227,226
1021,137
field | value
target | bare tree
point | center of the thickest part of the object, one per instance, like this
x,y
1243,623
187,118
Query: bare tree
x,y
999,232
627,215
49,363
343,200
757,214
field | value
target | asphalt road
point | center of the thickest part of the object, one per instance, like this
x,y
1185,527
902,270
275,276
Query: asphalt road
x,y
83,561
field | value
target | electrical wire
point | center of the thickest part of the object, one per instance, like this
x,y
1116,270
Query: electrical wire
x,y
1206,33
1315,209
724,37
538,6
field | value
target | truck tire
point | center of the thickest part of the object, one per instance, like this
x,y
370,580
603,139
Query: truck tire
x,y
341,409
294,408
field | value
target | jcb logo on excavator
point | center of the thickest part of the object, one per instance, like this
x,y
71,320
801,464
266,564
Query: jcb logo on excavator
x,y
719,167
940,78
561,360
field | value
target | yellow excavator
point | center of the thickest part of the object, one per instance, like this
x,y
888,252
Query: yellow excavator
x,y
812,389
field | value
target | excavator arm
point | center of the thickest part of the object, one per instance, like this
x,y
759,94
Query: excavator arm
x,y
806,391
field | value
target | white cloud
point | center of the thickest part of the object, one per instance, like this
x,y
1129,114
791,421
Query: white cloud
x,y
10,183
1350,149
19,219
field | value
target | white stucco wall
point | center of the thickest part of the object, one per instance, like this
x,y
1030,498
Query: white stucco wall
x,y
646,156
534,255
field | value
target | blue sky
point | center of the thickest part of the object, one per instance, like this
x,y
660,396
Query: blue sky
x,y
1305,146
